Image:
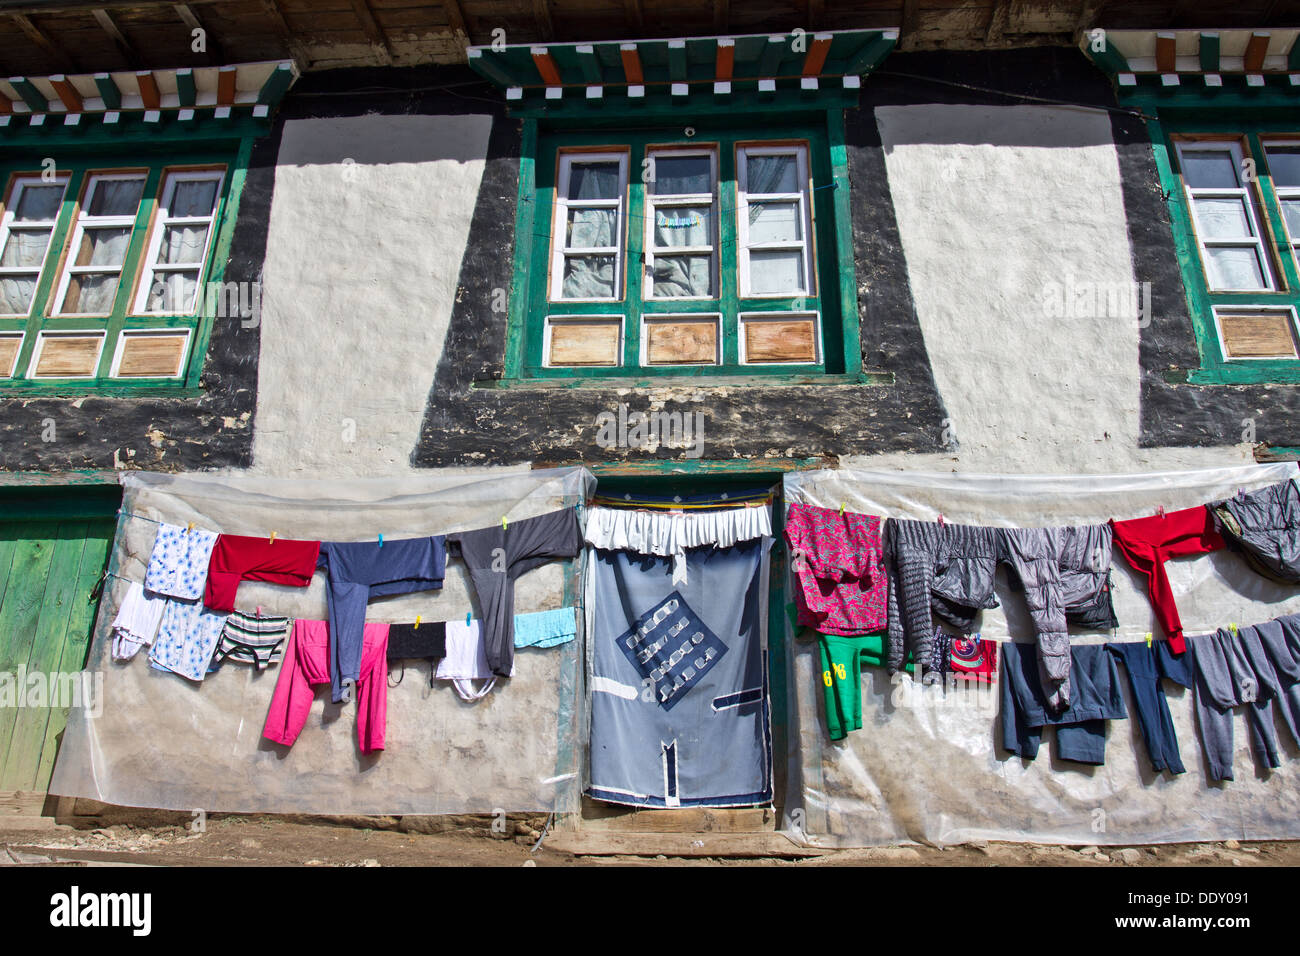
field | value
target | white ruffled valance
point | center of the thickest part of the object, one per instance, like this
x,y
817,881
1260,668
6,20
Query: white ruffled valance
x,y
667,534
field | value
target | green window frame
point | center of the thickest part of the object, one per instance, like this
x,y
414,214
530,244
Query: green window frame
x,y
537,307
1245,136
134,314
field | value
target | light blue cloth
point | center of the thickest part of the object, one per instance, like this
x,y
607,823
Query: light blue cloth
x,y
546,628
178,566
187,638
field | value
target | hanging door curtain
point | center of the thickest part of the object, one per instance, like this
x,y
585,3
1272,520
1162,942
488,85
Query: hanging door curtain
x,y
679,712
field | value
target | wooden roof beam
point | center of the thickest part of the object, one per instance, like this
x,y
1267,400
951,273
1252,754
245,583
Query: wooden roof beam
x,y
35,100
211,45
818,50
67,93
1256,50
148,90
44,43
370,26
725,63
721,15
998,18
546,66
119,39
632,71
226,86
542,14
456,19
1166,52
1208,52
108,91
635,16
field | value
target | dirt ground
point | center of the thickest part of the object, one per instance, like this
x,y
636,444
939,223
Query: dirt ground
x,y
273,841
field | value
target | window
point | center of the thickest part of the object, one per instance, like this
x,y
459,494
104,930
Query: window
x,y
102,272
1235,208
724,253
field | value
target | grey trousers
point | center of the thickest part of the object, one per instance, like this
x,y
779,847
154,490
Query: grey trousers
x,y
1233,671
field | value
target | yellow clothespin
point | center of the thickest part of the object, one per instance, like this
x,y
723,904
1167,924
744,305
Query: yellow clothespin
x,y
189,527
1232,627
503,522
417,623
273,534
841,509
1148,638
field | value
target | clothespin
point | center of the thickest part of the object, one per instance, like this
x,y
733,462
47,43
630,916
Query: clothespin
x,y
503,522
941,519
273,534
381,540
1148,638
1232,627
259,610
417,623
841,509
189,527
1160,511
468,615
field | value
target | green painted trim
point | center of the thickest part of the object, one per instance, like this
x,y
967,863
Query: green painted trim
x,y
524,218
53,479
108,91
30,94
204,131
701,101
703,466
1150,95
185,88
1281,453
711,381
1209,52
276,85
1109,60
1216,368
847,271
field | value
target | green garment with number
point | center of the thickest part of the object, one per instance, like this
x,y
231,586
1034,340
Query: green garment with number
x,y
842,660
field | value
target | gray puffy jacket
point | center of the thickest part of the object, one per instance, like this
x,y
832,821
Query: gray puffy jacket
x,y
1264,526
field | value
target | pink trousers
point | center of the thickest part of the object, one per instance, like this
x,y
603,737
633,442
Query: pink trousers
x,y
306,664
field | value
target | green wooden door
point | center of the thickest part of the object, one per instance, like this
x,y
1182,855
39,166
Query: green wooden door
x,y
53,549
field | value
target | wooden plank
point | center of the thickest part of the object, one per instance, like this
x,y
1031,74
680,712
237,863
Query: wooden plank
x,y
29,27
731,845
27,739
816,58
1166,52
785,340
108,91
721,15
148,89
9,348
724,65
373,31
1258,336
635,18
1256,50
96,540
585,343
681,341
18,619
67,93
1208,52
456,19
226,86
152,355
631,63
64,356
542,14
546,67
610,818
109,26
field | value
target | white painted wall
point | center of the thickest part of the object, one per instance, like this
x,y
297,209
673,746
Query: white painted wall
x,y
993,204
369,220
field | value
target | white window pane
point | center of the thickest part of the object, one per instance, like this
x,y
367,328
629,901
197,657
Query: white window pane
x,y
679,276
598,180
16,294
183,244
103,247
677,226
775,222
90,293
772,174
116,197
1284,164
591,228
588,277
1210,168
25,248
173,292
193,197
776,272
1235,268
1222,219
681,175
38,203
1291,212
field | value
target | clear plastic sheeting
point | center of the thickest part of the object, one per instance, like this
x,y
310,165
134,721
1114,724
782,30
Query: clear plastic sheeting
x,y
927,767
162,741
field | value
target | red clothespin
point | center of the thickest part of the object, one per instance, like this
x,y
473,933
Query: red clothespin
x,y
259,610
940,519
1160,511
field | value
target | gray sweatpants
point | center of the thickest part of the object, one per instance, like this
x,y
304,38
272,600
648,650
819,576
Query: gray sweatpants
x,y
1232,672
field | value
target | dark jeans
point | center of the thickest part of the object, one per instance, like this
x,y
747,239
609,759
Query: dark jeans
x,y
1146,666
